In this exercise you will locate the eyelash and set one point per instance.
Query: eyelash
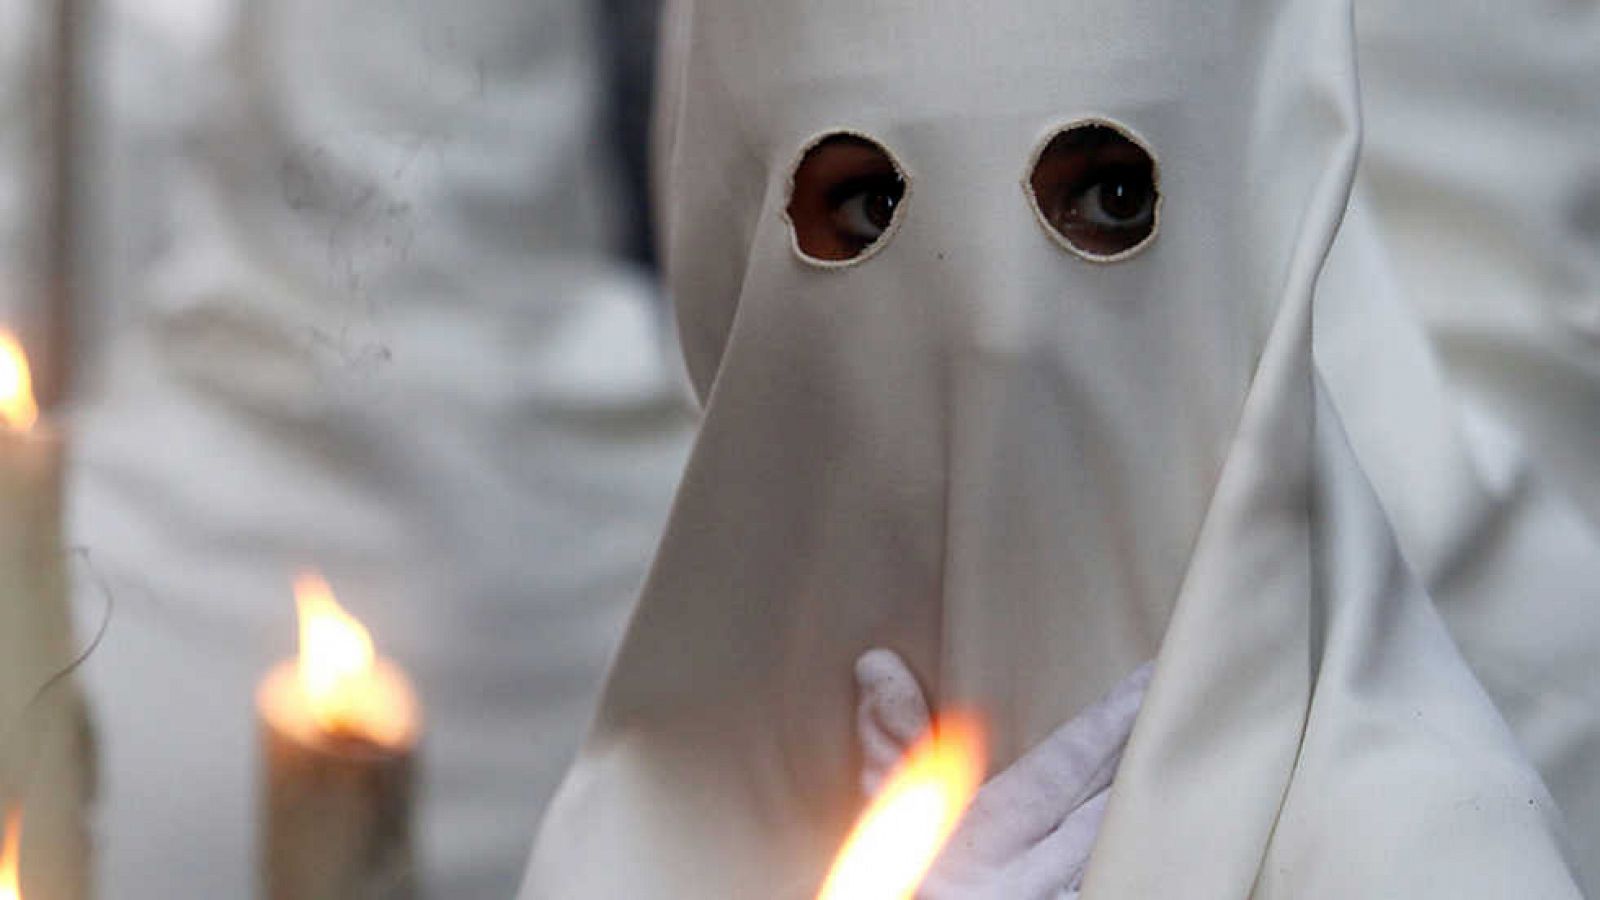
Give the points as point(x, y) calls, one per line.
point(883, 183)
point(1101, 175)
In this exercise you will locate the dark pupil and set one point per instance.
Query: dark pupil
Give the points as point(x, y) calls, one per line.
point(1122, 198)
point(879, 207)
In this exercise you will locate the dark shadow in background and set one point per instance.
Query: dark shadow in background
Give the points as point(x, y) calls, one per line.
point(627, 35)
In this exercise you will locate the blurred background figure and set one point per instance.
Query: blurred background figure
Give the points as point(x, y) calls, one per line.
point(359, 303)
point(1483, 159)
point(1481, 171)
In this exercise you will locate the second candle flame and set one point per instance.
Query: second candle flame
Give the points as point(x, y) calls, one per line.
point(348, 692)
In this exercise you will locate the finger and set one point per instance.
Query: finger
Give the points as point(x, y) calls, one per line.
point(1057, 863)
point(879, 756)
point(890, 714)
point(890, 695)
point(1031, 798)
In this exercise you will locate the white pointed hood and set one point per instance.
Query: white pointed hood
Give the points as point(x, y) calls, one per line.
point(1027, 471)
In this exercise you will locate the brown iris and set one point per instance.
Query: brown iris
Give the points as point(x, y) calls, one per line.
point(846, 192)
point(1097, 189)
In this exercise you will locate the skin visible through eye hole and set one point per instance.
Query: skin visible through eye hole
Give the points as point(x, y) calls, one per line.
point(1097, 189)
point(846, 192)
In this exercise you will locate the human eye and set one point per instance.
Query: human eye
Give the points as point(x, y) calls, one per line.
point(863, 208)
point(845, 195)
point(1096, 189)
point(1114, 200)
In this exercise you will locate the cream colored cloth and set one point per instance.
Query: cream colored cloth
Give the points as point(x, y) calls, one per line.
point(1026, 472)
point(1512, 564)
point(1481, 155)
point(1458, 329)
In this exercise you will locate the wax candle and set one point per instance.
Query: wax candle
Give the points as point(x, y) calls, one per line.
point(340, 727)
point(44, 742)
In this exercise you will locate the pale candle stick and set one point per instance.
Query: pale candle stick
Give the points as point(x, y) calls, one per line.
point(44, 740)
point(339, 727)
point(59, 170)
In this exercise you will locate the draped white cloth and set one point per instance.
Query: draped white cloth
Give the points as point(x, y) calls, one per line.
point(1026, 472)
point(1485, 179)
point(1464, 351)
point(358, 310)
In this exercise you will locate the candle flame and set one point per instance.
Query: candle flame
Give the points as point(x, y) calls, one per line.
point(18, 409)
point(10, 850)
point(345, 689)
point(897, 839)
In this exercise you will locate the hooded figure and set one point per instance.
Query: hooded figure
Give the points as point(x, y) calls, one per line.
point(1027, 432)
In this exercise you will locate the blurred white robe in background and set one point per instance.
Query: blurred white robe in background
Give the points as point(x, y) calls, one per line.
point(1465, 354)
point(1483, 157)
point(357, 309)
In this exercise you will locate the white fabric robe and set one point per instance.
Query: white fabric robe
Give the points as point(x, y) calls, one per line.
point(1026, 472)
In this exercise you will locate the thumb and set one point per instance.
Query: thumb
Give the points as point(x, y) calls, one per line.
point(891, 714)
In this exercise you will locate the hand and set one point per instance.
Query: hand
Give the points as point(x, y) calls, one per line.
point(1029, 832)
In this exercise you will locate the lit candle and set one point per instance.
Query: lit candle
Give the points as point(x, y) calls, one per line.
point(45, 755)
point(899, 836)
point(340, 726)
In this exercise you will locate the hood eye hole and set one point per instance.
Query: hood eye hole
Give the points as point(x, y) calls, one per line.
point(1096, 190)
point(845, 199)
